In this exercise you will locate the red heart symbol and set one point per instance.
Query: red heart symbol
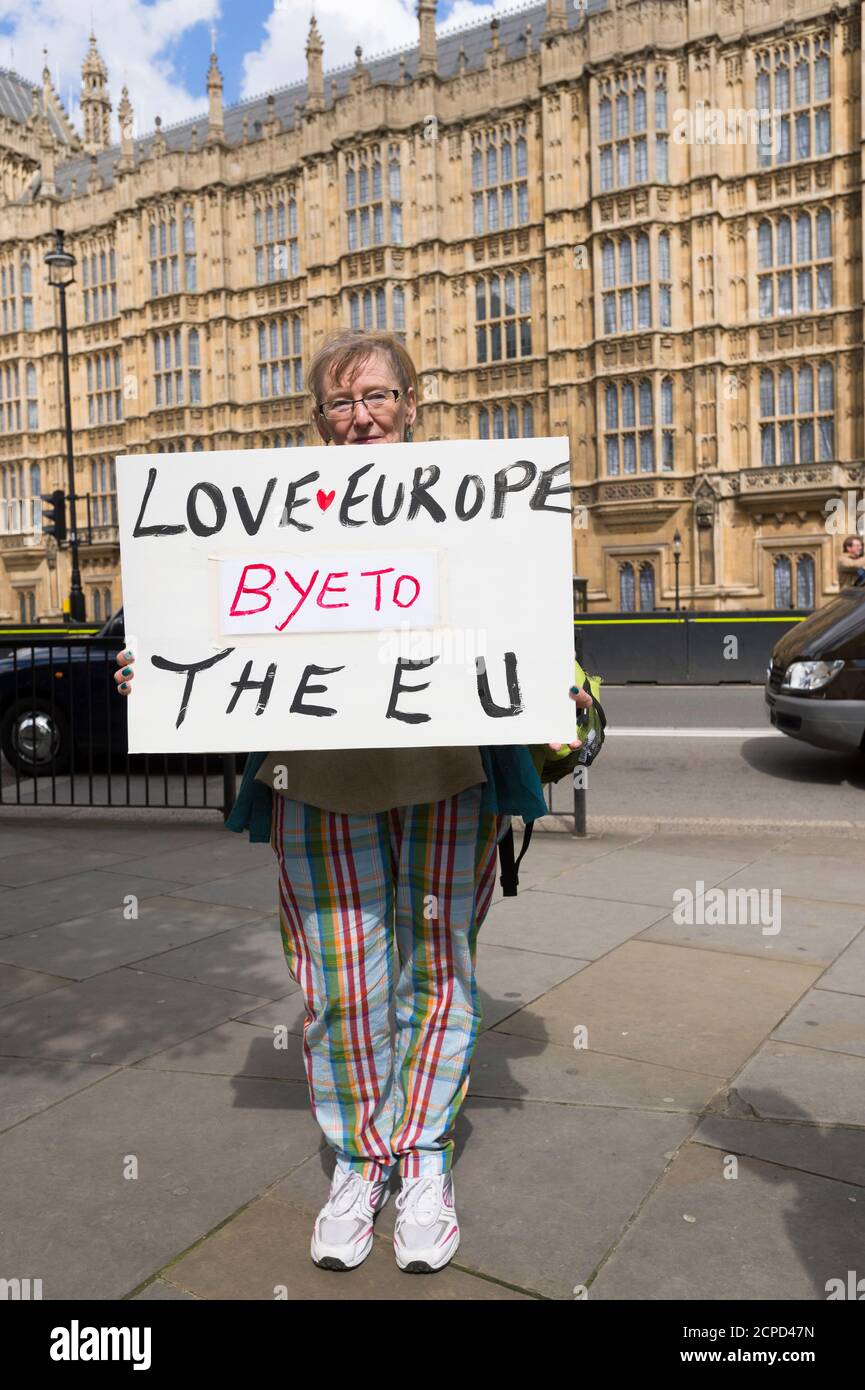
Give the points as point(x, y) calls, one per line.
point(324, 499)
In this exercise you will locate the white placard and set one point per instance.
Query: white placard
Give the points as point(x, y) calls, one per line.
point(411, 595)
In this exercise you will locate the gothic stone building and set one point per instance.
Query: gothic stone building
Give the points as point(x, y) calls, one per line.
point(576, 217)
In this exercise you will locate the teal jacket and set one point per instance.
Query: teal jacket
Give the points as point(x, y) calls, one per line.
point(513, 788)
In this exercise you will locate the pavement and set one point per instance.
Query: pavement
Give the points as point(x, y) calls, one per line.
point(659, 1109)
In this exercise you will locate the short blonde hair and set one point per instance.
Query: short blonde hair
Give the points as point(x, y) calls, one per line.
point(346, 350)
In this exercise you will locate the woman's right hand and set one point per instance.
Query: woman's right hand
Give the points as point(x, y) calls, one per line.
point(125, 675)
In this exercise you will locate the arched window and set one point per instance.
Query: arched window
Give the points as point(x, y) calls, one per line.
point(783, 582)
point(193, 348)
point(35, 480)
point(483, 425)
point(626, 589)
point(513, 422)
point(805, 581)
point(647, 587)
point(764, 244)
point(354, 309)
point(380, 313)
point(198, 446)
point(398, 302)
point(367, 309)
point(498, 423)
point(528, 421)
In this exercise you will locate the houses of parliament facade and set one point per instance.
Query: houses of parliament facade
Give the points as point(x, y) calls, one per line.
point(636, 223)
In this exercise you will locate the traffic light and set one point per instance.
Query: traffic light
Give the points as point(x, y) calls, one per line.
point(54, 514)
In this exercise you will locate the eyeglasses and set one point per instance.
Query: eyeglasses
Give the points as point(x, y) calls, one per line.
point(376, 402)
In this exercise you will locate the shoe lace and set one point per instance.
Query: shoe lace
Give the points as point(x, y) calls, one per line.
point(345, 1196)
point(420, 1199)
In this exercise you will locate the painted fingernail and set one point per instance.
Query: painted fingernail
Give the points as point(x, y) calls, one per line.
point(127, 671)
point(123, 685)
point(127, 654)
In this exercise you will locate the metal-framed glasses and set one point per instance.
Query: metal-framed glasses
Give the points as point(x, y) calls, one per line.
point(377, 403)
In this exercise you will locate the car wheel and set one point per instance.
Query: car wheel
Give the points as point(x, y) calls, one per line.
point(35, 739)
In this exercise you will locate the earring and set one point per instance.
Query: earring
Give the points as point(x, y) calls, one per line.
point(409, 434)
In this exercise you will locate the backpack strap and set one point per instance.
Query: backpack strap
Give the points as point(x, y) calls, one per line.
point(510, 876)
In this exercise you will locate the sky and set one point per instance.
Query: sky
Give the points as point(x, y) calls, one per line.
point(160, 48)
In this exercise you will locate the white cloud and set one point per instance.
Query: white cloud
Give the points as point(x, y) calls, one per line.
point(134, 39)
point(343, 24)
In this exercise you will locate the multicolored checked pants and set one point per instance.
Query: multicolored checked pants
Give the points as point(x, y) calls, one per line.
point(345, 883)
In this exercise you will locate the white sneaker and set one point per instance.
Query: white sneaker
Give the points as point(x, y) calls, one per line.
point(427, 1234)
point(343, 1232)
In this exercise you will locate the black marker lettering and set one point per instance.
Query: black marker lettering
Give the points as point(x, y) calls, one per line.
point(480, 493)
point(378, 516)
point(297, 705)
point(196, 525)
point(292, 501)
point(419, 496)
point(244, 683)
point(251, 524)
point(488, 705)
point(545, 489)
point(403, 664)
point(192, 668)
point(138, 529)
point(503, 487)
point(349, 500)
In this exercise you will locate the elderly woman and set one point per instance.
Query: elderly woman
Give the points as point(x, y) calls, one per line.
point(374, 843)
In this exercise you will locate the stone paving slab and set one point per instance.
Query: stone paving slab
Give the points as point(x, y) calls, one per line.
point(839, 879)
point(75, 895)
point(205, 1146)
point(234, 1049)
point(811, 931)
point(788, 1082)
point(100, 941)
point(37, 866)
point(263, 1253)
point(511, 1066)
point(673, 1005)
point(226, 854)
point(120, 1016)
point(565, 925)
point(28, 1086)
point(848, 972)
point(827, 1019)
point(831, 1151)
point(255, 888)
point(638, 876)
point(249, 957)
point(770, 1233)
point(17, 984)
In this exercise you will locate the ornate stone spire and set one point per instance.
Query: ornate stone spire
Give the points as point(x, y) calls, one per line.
point(428, 56)
point(314, 69)
point(95, 101)
point(126, 118)
point(556, 21)
point(215, 126)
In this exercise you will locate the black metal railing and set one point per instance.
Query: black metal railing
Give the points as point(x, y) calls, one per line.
point(63, 733)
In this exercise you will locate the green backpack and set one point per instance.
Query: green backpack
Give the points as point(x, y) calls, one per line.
point(552, 767)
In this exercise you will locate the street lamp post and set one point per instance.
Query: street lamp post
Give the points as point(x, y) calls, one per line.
point(677, 556)
point(61, 264)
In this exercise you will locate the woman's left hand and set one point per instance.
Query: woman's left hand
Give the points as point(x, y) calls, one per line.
point(583, 700)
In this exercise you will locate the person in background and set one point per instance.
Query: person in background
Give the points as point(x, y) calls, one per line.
point(374, 844)
point(851, 565)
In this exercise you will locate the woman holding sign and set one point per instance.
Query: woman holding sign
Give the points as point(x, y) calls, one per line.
point(371, 844)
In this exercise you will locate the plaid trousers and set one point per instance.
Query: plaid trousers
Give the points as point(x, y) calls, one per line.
point(345, 883)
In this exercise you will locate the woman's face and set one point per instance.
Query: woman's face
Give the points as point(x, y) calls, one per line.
point(382, 425)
